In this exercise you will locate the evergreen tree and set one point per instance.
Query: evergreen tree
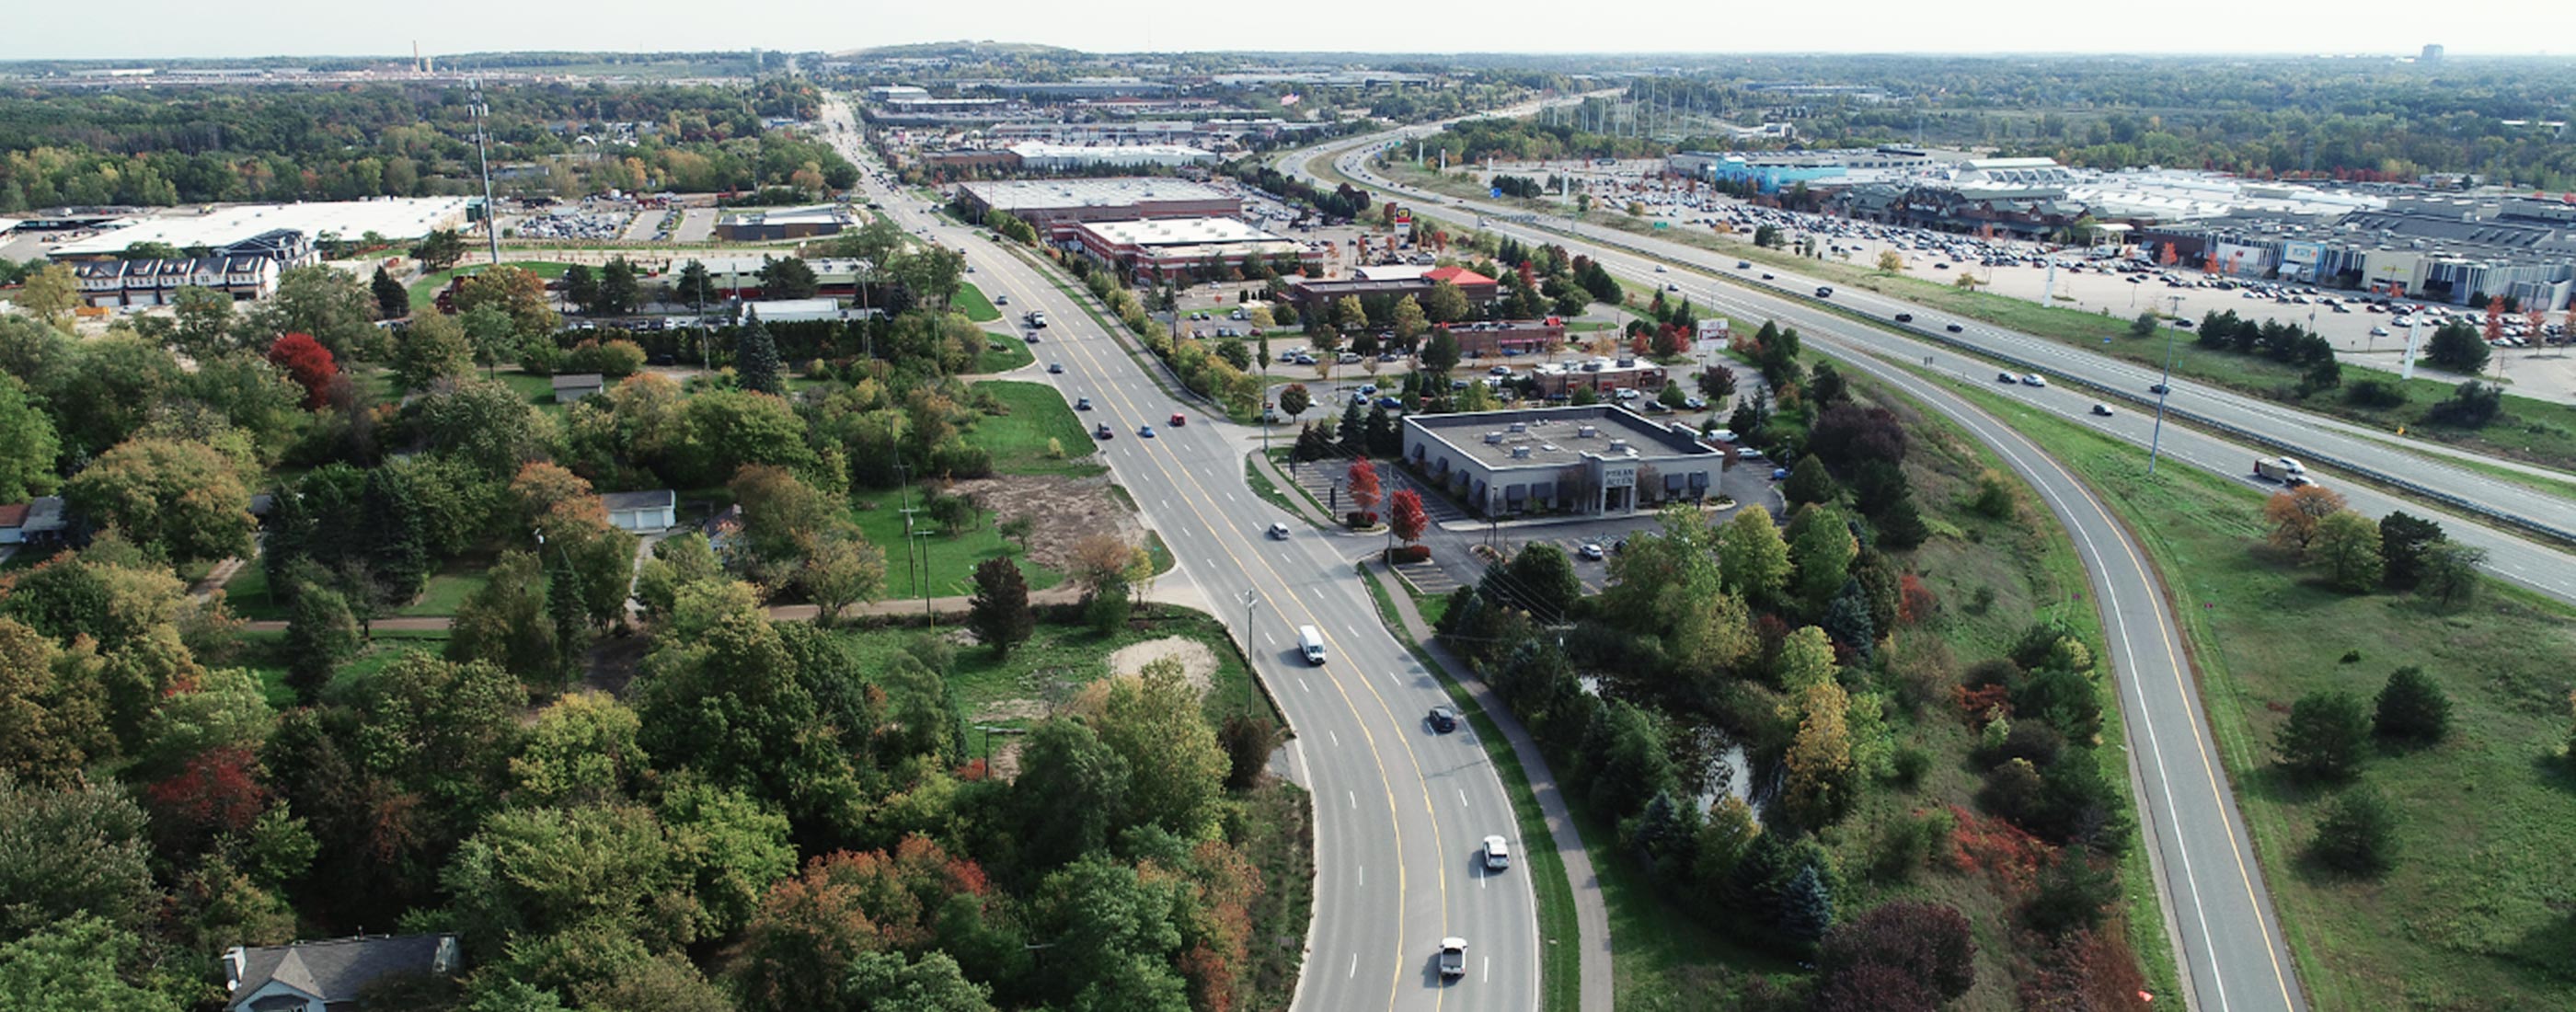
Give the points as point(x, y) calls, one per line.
point(1847, 620)
point(2071, 893)
point(1313, 442)
point(572, 627)
point(320, 636)
point(2358, 835)
point(755, 358)
point(400, 561)
point(2324, 736)
point(1809, 483)
point(2403, 541)
point(1384, 440)
point(393, 302)
point(999, 610)
point(581, 286)
point(2412, 708)
point(1354, 431)
point(1806, 907)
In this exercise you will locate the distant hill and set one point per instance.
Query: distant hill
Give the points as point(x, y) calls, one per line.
point(963, 47)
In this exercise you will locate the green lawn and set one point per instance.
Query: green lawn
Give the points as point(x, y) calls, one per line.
point(1058, 659)
point(951, 558)
point(970, 300)
point(247, 594)
point(1003, 354)
point(2475, 915)
point(424, 292)
point(1017, 438)
point(1265, 488)
point(449, 589)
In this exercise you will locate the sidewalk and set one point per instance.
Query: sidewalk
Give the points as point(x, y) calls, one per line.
point(1591, 917)
point(1305, 507)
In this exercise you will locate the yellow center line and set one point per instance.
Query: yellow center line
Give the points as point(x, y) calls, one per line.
point(1227, 547)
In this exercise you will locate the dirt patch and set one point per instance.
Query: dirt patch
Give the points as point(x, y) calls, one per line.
point(1066, 510)
point(1198, 663)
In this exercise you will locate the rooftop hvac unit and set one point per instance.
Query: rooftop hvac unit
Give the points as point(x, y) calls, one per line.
point(1520, 426)
point(1520, 453)
point(1618, 445)
point(1493, 438)
point(1587, 432)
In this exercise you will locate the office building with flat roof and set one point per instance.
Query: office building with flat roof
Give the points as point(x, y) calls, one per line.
point(1192, 247)
point(1593, 460)
point(1055, 206)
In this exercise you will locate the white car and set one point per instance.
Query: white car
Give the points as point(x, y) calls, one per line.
point(2032, 379)
point(1498, 853)
point(1591, 550)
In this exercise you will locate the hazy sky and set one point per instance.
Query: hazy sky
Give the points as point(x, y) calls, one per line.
point(127, 29)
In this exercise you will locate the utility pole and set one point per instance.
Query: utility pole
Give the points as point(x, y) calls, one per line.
point(483, 154)
point(2164, 389)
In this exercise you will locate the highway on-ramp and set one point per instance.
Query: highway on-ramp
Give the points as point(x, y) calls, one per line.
point(1400, 810)
point(2508, 519)
point(2218, 911)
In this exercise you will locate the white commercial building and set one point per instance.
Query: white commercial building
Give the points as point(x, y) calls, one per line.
point(1040, 156)
point(394, 218)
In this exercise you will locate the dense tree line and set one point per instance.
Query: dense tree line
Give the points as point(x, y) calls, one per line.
point(201, 145)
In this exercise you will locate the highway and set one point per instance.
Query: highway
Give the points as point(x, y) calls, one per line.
point(2328, 446)
point(1400, 811)
point(2218, 911)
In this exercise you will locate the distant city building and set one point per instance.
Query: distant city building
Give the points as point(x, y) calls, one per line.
point(1040, 156)
point(1592, 460)
point(2432, 53)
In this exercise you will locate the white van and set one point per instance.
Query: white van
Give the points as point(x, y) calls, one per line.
point(1311, 641)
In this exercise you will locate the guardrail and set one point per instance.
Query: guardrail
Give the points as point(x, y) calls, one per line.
point(2308, 454)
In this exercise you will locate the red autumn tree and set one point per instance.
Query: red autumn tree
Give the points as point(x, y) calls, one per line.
point(1406, 517)
point(797, 950)
point(1362, 483)
point(308, 363)
point(2495, 318)
point(1928, 944)
point(216, 792)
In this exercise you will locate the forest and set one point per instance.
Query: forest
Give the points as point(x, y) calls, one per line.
point(188, 145)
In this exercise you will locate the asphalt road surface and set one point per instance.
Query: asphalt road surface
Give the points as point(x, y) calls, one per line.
point(2218, 911)
point(2513, 555)
point(1400, 811)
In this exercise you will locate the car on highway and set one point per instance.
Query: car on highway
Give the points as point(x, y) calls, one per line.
point(2159, 389)
point(2032, 379)
point(2005, 377)
point(1744, 265)
point(1672, 287)
point(1031, 337)
point(1103, 432)
point(1453, 958)
point(1659, 268)
point(1278, 531)
point(1766, 276)
point(1145, 432)
point(1001, 300)
point(1904, 317)
point(1179, 419)
point(1955, 328)
point(1498, 853)
point(1442, 719)
point(1824, 291)
point(1055, 368)
point(1082, 404)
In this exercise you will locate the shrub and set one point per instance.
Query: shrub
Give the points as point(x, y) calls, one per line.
point(1408, 553)
point(2375, 394)
point(2358, 835)
point(1360, 519)
point(2472, 404)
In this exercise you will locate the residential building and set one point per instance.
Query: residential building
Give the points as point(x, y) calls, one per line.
point(642, 512)
point(157, 282)
point(1592, 460)
point(326, 976)
point(13, 524)
point(572, 387)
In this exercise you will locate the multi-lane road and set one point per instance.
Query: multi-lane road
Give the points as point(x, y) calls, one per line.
point(2515, 554)
point(1400, 811)
point(2218, 911)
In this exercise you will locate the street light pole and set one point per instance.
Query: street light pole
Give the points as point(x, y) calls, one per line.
point(2164, 389)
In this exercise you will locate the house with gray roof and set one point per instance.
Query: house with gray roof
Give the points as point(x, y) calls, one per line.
point(326, 976)
point(642, 512)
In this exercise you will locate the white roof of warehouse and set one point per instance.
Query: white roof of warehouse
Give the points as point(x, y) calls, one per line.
point(1180, 232)
point(392, 217)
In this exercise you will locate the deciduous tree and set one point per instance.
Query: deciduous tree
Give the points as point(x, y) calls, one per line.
point(1821, 777)
point(1155, 722)
point(2346, 545)
point(309, 364)
point(2295, 514)
point(1752, 556)
point(1405, 516)
point(1927, 944)
point(28, 445)
point(181, 500)
point(2451, 571)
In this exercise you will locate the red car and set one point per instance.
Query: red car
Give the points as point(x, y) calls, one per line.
point(1178, 421)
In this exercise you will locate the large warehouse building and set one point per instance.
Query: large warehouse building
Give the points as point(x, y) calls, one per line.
point(1040, 156)
point(782, 223)
point(1591, 460)
point(396, 218)
point(1177, 247)
point(1055, 206)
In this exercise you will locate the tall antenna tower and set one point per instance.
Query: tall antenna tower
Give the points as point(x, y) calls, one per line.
point(483, 154)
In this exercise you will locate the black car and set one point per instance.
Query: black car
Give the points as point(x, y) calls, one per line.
point(2005, 377)
point(2160, 389)
point(1904, 317)
point(1955, 328)
point(1442, 719)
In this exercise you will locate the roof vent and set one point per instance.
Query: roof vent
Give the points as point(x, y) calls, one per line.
point(1549, 447)
point(1587, 432)
point(1521, 452)
point(1493, 438)
point(1520, 426)
point(1618, 446)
